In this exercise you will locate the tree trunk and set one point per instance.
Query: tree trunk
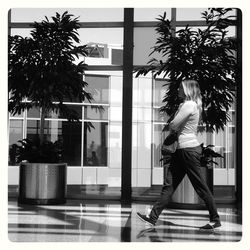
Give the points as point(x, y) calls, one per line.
point(42, 125)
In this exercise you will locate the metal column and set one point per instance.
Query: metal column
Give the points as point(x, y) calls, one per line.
point(128, 38)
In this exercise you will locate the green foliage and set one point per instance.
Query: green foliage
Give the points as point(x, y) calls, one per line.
point(44, 70)
point(206, 55)
point(35, 151)
point(42, 67)
point(207, 156)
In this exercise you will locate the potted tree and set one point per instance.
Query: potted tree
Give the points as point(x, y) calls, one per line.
point(206, 55)
point(42, 74)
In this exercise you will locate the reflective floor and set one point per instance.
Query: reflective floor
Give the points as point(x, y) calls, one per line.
point(97, 221)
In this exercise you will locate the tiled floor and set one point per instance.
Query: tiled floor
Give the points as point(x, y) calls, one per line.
point(95, 221)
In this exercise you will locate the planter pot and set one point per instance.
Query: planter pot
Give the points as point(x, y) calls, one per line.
point(42, 183)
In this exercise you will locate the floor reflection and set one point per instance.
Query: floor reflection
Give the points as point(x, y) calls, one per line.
point(97, 221)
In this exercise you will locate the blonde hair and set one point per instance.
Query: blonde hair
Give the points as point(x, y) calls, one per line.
point(192, 91)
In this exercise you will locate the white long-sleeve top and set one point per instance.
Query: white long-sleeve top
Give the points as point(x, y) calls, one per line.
point(185, 123)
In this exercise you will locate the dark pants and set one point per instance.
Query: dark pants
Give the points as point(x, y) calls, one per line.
point(176, 166)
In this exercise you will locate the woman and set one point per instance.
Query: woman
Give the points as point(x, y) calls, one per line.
point(186, 159)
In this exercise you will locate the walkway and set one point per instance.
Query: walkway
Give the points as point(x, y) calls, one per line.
point(97, 221)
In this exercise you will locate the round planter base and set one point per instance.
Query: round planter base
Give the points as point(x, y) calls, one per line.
point(41, 201)
point(42, 183)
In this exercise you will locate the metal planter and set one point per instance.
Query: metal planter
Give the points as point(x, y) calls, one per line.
point(42, 183)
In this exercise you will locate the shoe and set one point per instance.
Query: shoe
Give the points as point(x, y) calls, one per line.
point(211, 225)
point(146, 219)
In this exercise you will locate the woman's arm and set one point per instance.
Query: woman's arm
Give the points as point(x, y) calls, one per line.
point(184, 112)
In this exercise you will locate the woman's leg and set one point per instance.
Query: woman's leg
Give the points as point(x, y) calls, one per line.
point(173, 175)
point(192, 157)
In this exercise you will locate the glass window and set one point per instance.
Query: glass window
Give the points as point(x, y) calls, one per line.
point(225, 142)
point(231, 30)
point(194, 14)
point(15, 134)
point(232, 117)
point(33, 113)
point(71, 137)
point(159, 120)
point(116, 56)
point(144, 40)
point(68, 133)
point(204, 137)
point(24, 32)
point(98, 87)
point(112, 36)
point(231, 152)
point(85, 15)
point(159, 92)
point(17, 115)
point(77, 109)
point(66, 99)
point(220, 147)
point(33, 127)
point(95, 144)
point(150, 14)
point(144, 92)
point(233, 105)
point(93, 113)
point(156, 146)
point(105, 45)
point(159, 116)
point(158, 95)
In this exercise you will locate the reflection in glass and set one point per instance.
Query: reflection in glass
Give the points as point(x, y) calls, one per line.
point(204, 137)
point(67, 133)
point(141, 114)
point(232, 117)
point(17, 115)
point(231, 154)
point(66, 99)
point(24, 32)
point(95, 144)
point(220, 147)
point(156, 146)
point(15, 134)
point(104, 54)
point(98, 87)
point(71, 139)
point(231, 30)
point(33, 113)
point(159, 116)
point(144, 92)
point(93, 113)
point(144, 40)
point(194, 14)
point(107, 36)
point(84, 14)
point(189, 14)
point(150, 14)
point(77, 109)
point(159, 92)
point(33, 127)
